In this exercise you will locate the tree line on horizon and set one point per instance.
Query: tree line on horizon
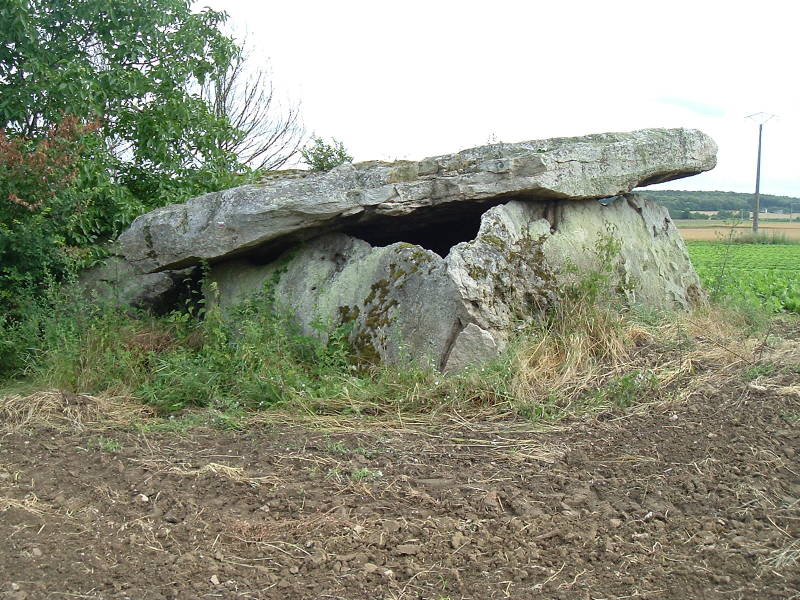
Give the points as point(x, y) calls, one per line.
point(681, 203)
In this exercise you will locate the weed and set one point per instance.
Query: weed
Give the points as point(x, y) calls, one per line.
point(791, 418)
point(365, 474)
point(105, 444)
point(321, 156)
point(757, 371)
point(625, 390)
point(340, 475)
point(548, 410)
point(768, 238)
point(336, 473)
point(336, 448)
point(232, 418)
point(366, 452)
point(575, 348)
point(172, 424)
point(339, 448)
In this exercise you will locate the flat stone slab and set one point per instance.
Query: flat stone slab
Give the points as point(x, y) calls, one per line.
point(269, 217)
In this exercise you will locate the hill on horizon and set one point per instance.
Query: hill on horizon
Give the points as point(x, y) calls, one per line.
point(679, 202)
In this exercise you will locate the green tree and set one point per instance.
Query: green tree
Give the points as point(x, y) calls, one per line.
point(127, 64)
point(98, 123)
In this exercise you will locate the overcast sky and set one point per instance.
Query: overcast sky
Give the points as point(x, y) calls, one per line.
point(409, 79)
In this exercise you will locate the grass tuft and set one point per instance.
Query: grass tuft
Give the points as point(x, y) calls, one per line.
point(59, 410)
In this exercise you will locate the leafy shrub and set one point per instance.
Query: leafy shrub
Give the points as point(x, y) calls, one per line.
point(32, 172)
point(38, 217)
point(322, 156)
point(98, 123)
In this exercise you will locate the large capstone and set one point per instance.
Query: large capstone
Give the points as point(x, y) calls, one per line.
point(422, 202)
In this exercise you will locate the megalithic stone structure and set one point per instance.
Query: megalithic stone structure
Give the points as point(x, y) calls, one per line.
point(438, 261)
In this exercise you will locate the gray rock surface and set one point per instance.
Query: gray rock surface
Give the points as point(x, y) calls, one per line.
point(398, 301)
point(269, 217)
point(118, 281)
point(473, 346)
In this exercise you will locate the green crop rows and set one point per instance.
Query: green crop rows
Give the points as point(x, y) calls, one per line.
point(764, 274)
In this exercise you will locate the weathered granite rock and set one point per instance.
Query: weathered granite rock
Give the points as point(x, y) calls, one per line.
point(473, 346)
point(408, 304)
point(117, 280)
point(442, 190)
point(402, 305)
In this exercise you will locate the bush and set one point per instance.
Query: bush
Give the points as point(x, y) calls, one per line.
point(98, 124)
point(254, 357)
point(321, 156)
point(38, 217)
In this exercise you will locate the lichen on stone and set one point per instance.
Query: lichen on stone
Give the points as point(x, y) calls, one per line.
point(493, 240)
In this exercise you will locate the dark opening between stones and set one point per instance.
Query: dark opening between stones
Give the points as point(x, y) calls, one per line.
point(437, 230)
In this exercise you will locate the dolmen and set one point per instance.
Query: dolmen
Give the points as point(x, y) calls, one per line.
point(441, 261)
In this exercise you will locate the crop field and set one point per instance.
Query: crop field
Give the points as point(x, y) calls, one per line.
point(765, 274)
point(718, 231)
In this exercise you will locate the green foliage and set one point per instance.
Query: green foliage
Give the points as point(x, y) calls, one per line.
point(625, 390)
point(773, 237)
point(126, 64)
point(322, 156)
point(758, 370)
point(601, 282)
point(105, 444)
point(365, 474)
point(253, 357)
point(764, 275)
point(98, 124)
point(622, 392)
point(58, 206)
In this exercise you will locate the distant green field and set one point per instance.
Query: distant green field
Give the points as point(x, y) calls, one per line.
point(768, 275)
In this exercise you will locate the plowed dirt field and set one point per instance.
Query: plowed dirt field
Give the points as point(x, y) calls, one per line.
point(697, 499)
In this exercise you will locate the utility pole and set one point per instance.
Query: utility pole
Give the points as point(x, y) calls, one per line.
point(759, 118)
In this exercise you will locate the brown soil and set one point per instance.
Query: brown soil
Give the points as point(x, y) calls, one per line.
point(697, 499)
